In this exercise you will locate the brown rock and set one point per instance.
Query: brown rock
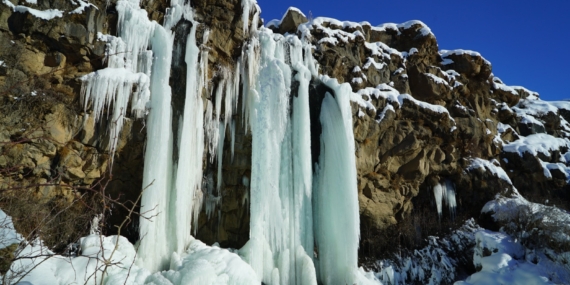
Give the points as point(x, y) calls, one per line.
point(292, 19)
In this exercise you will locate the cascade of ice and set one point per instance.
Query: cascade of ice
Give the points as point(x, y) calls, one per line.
point(281, 235)
point(188, 177)
point(336, 215)
point(171, 195)
point(291, 207)
point(154, 253)
point(445, 193)
point(128, 62)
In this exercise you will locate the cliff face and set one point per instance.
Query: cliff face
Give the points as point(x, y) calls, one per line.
point(422, 117)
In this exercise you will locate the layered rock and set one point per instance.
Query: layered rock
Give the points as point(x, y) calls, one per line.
point(422, 116)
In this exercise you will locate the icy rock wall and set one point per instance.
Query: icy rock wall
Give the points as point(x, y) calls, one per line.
point(281, 245)
point(140, 58)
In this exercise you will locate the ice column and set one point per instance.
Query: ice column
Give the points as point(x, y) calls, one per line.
point(337, 227)
point(281, 220)
point(157, 241)
point(188, 176)
point(444, 192)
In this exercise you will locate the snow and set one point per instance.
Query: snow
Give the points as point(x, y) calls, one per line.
point(499, 85)
point(42, 14)
point(479, 163)
point(8, 234)
point(452, 73)
point(357, 80)
point(296, 209)
point(424, 30)
point(535, 144)
point(503, 266)
point(370, 61)
point(82, 6)
point(508, 259)
point(111, 260)
point(434, 264)
point(445, 53)
point(204, 265)
point(436, 79)
point(422, 104)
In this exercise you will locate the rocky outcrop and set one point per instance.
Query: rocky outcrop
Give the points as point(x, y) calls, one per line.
point(421, 117)
point(455, 110)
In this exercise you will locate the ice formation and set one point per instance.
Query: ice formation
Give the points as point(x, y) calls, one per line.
point(444, 192)
point(337, 222)
point(281, 235)
point(294, 205)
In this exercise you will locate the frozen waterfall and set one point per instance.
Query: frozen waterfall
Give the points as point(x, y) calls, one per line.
point(444, 192)
point(294, 205)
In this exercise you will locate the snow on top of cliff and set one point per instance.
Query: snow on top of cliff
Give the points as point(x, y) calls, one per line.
point(479, 163)
point(445, 53)
point(82, 6)
point(363, 98)
point(424, 30)
point(538, 107)
point(370, 62)
point(42, 14)
point(424, 105)
point(48, 14)
point(536, 143)
point(277, 22)
point(498, 84)
point(437, 79)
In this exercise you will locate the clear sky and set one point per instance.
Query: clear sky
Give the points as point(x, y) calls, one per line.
point(526, 41)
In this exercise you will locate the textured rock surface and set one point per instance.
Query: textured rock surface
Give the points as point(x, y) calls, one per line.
point(403, 147)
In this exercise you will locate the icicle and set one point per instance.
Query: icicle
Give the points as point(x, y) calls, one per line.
point(438, 194)
point(154, 252)
point(309, 59)
point(336, 201)
point(246, 6)
point(205, 50)
point(128, 69)
point(222, 129)
point(188, 176)
point(445, 193)
point(135, 29)
point(233, 138)
point(450, 197)
point(302, 170)
point(212, 132)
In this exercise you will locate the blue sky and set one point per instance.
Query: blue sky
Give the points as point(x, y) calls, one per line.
point(526, 41)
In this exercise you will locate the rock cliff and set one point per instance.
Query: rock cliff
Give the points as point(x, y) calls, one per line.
point(423, 117)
